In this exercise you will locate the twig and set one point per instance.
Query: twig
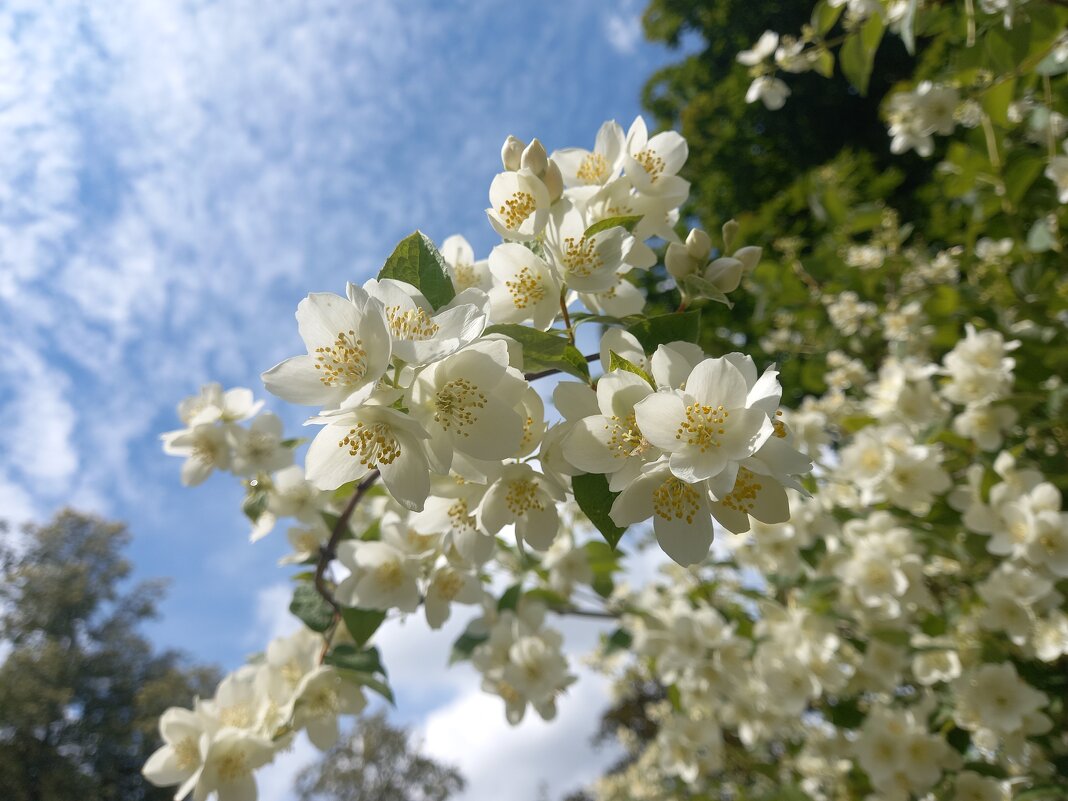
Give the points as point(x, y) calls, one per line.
point(329, 551)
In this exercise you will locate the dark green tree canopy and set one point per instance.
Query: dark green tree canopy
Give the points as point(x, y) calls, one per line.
point(81, 689)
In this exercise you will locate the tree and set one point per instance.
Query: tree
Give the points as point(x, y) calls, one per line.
point(80, 690)
point(377, 763)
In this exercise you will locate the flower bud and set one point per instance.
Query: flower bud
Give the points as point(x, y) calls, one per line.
point(730, 231)
point(535, 158)
point(749, 257)
point(512, 153)
point(553, 181)
point(679, 263)
point(725, 273)
point(698, 245)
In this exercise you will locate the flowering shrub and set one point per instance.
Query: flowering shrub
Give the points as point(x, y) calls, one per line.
point(884, 617)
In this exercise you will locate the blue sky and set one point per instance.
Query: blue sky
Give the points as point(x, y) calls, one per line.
point(176, 174)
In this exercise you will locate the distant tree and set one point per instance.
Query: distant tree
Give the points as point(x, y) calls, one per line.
point(377, 763)
point(81, 689)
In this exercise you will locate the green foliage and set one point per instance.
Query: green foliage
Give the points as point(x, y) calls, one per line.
point(311, 608)
point(595, 500)
point(81, 690)
point(545, 350)
point(416, 261)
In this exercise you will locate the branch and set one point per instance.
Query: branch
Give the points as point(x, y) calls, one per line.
point(593, 357)
point(329, 551)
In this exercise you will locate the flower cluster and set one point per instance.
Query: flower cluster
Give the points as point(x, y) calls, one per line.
point(437, 470)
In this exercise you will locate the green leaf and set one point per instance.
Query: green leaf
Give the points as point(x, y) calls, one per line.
point(544, 351)
point(617, 362)
point(857, 55)
point(312, 608)
point(996, 100)
point(255, 503)
point(824, 63)
point(627, 221)
point(416, 261)
point(675, 327)
point(618, 640)
point(358, 660)
point(380, 687)
point(697, 286)
point(510, 599)
point(824, 15)
point(465, 644)
point(362, 623)
point(595, 500)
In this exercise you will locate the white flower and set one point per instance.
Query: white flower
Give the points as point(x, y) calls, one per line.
point(519, 205)
point(420, 334)
point(1057, 171)
point(525, 498)
point(356, 441)
point(230, 757)
point(712, 424)
point(772, 92)
point(179, 759)
point(305, 542)
point(524, 287)
point(652, 164)
point(585, 264)
point(580, 167)
point(349, 349)
point(213, 405)
point(470, 402)
point(995, 697)
point(974, 787)
point(449, 585)
point(761, 51)
point(611, 442)
point(206, 446)
point(383, 576)
point(682, 521)
point(464, 270)
point(259, 448)
point(320, 697)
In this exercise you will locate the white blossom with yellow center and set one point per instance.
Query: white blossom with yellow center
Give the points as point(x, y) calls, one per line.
point(584, 263)
point(471, 402)
point(464, 270)
point(371, 437)
point(717, 420)
point(682, 521)
point(420, 333)
point(524, 289)
point(519, 205)
point(585, 168)
point(383, 576)
point(526, 499)
point(652, 163)
point(230, 757)
point(348, 351)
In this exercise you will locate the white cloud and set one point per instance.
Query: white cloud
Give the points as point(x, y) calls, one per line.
point(623, 28)
point(503, 761)
point(273, 618)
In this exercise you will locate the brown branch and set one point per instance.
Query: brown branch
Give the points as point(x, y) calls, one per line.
point(329, 551)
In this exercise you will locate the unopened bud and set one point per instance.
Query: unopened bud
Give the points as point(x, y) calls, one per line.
point(725, 274)
point(535, 158)
point(730, 231)
point(698, 245)
point(679, 262)
point(749, 257)
point(512, 153)
point(553, 181)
